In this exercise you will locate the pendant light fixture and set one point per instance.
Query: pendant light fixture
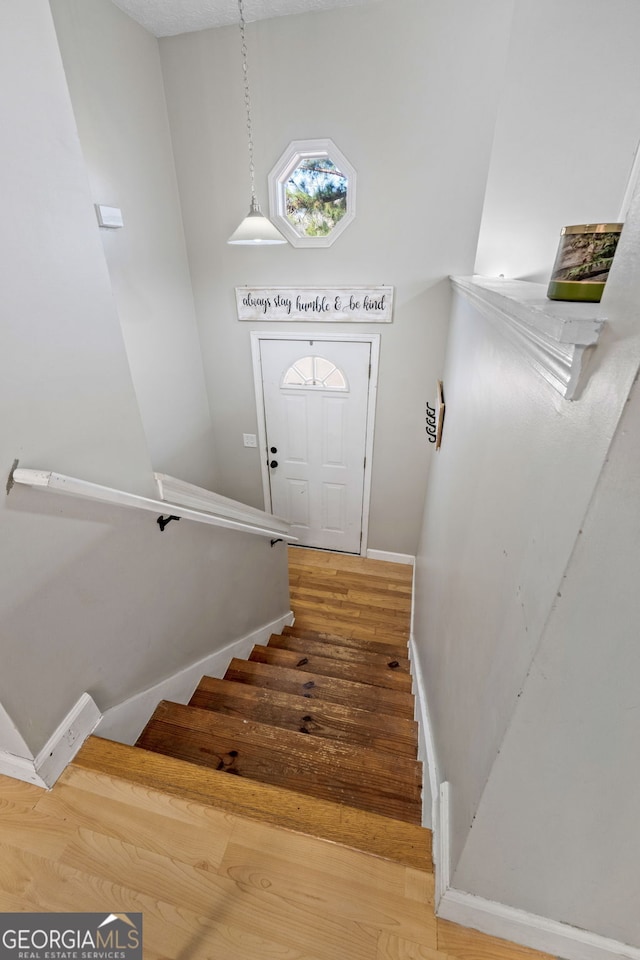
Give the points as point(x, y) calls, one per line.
point(255, 229)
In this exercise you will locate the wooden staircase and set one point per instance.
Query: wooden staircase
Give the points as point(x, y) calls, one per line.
point(316, 728)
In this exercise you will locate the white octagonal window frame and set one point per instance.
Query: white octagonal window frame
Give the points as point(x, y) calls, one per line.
point(296, 152)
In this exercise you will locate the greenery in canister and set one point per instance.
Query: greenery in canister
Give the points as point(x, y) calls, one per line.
point(583, 261)
point(587, 256)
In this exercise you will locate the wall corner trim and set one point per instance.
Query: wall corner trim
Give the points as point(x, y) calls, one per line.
point(555, 338)
point(60, 748)
point(442, 847)
point(426, 748)
point(391, 557)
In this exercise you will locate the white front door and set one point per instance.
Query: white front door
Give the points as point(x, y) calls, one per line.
point(315, 404)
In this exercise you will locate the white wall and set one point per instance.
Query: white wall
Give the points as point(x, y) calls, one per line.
point(525, 682)
point(407, 89)
point(506, 496)
point(567, 130)
point(556, 832)
point(112, 67)
point(91, 599)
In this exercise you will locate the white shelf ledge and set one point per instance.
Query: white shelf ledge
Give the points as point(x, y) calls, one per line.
point(554, 337)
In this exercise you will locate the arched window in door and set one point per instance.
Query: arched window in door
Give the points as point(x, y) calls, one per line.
point(315, 372)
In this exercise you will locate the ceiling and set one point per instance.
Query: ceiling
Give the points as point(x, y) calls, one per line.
point(165, 18)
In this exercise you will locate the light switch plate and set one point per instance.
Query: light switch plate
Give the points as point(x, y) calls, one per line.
point(109, 216)
point(249, 440)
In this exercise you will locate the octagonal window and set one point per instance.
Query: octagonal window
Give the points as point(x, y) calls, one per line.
point(312, 193)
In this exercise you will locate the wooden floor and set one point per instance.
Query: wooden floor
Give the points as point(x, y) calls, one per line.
point(215, 886)
point(130, 830)
point(351, 596)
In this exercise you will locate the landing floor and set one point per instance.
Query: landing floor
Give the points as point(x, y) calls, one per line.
point(214, 886)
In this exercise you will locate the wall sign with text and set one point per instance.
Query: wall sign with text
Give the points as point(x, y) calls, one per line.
point(324, 304)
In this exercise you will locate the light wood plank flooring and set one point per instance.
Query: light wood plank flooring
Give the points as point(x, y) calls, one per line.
point(213, 885)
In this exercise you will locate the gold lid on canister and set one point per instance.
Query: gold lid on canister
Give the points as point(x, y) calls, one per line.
point(592, 228)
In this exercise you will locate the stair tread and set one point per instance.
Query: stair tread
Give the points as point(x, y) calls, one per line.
point(315, 686)
point(354, 671)
point(357, 776)
point(358, 829)
point(373, 646)
point(337, 651)
point(322, 719)
point(372, 762)
point(385, 837)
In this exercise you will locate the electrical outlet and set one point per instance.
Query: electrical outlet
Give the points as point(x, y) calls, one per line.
point(249, 440)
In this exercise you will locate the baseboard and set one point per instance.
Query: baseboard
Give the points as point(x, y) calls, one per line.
point(126, 720)
point(530, 930)
point(11, 740)
point(510, 923)
point(20, 768)
point(426, 751)
point(391, 557)
point(58, 751)
point(442, 845)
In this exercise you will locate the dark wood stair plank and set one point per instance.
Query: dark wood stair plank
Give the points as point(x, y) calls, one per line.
point(263, 767)
point(385, 837)
point(355, 762)
point(338, 652)
point(389, 649)
point(321, 719)
point(269, 755)
point(354, 671)
point(314, 686)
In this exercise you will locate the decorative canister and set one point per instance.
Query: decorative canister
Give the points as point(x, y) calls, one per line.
point(582, 264)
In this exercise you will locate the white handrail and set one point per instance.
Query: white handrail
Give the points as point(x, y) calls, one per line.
point(198, 498)
point(72, 486)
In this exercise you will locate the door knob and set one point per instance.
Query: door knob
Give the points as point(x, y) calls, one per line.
point(274, 463)
point(274, 449)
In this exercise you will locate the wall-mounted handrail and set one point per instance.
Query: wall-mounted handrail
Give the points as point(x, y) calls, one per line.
point(72, 486)
point(198, 498)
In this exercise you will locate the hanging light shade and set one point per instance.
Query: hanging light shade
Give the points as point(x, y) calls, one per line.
point(255, 229)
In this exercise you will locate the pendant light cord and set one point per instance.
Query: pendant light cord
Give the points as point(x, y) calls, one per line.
point(247, 103)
